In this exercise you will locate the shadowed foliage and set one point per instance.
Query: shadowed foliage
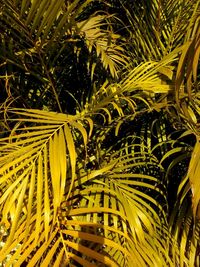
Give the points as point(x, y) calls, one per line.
point(99, 141)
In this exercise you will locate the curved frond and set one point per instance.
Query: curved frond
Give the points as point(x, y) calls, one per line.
point(64, 202)
point(51, 31)
point(106, 43)
point(38, 162)
point(157, 27)
point(184, 212)
point(187, 80)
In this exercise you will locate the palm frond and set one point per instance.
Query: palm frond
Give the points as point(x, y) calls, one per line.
point(56, 209)
point(47, 30)
point(183, 214)
point(158, 27)
point(187, 82)
point(106, 43)
point(191, 182)
point(40, 166)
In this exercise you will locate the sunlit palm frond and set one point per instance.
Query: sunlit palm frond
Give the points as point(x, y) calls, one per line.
point(141, 85)
point(100, 188)
point(64, 200)
point(105, 42)
point(40, 179)
point(158, 27)
point(183, 206)
point(191, 181)
point(34, 176)
point(47, 30)
point(137, 190)
point(112, 195)
point(185, 228)
point(187, 80)
point(185, 233)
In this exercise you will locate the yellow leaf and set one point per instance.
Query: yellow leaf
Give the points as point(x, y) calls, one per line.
point(193, 175)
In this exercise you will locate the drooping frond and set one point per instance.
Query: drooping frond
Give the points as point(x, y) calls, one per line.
point(183, 197)
point(37, 37)
point(35, 163)
point(105, 42)
point(57, 208)
point(187, 80)
point(158, 27)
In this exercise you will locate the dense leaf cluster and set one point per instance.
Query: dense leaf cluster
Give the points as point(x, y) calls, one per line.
point(99, 142)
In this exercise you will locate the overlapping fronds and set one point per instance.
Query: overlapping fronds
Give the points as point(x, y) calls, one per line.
point(47, 29)
point(183, 210)
point(106, 43)
point(141, 84)
point(190, 182)
point(34, 176)
point(157, 27)
point(104, 187)
point(187, 80)
point(56, 209)
point(42, 21)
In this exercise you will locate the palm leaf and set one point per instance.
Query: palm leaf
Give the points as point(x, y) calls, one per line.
point(39, 166)
point(188, 70)
point(46, 30)
point(183, 224)
point(157, 27)
point(112, 55)
point(81, 215)
point(191, 178)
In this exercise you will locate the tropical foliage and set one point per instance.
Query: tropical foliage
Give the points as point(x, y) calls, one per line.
point(99, 141)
